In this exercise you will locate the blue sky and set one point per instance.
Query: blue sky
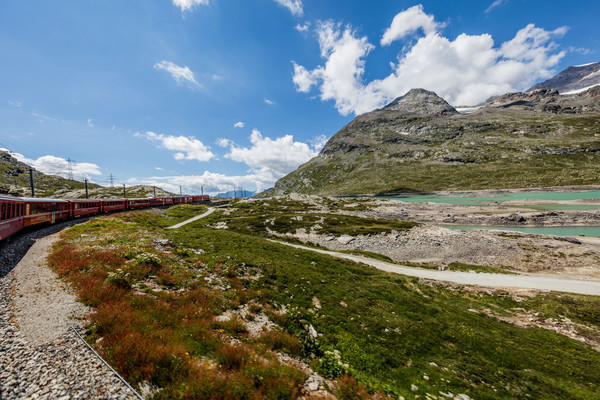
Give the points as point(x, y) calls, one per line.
point(224, 93)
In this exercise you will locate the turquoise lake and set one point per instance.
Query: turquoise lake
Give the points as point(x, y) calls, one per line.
point(593, 231)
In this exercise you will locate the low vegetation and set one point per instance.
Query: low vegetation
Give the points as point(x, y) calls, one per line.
point(185, 311)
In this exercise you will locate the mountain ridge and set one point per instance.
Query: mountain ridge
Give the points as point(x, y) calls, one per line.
point(533, 139)
point(572, 79)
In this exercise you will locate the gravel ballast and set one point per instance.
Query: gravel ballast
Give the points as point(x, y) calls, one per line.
point(40, 355)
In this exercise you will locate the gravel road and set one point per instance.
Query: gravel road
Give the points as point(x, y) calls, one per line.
point(197, 217)
point(524, 281)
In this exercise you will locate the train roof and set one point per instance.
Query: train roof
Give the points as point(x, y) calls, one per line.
point(83, 200)
point(43, 200)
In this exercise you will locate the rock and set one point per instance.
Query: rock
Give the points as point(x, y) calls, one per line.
point(163, 243)
point(345, 239)
point(461, 397)
point(313, 383)
point(311, 331)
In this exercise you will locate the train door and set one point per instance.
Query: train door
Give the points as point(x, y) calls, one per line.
point(53, 213)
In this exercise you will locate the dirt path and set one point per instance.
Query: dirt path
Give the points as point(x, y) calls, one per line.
point(197, 217)
point(538, 282)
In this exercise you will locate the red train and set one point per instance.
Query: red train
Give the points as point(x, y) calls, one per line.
point(18, 213)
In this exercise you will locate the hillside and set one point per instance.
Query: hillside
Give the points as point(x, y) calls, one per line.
point(15, 181)
point(420, 143)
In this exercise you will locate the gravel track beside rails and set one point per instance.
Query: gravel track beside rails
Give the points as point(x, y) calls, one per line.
point(40, 357)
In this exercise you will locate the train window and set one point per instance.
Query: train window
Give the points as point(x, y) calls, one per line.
point(2, 211)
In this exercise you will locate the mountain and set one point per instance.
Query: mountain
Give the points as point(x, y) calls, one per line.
point(420, 143)
point(240, 193)
point(572, 79)
point(15, 181)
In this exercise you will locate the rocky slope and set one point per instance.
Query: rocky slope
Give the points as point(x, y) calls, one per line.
point(420, 143)
point(572, 79)
point(15, 181)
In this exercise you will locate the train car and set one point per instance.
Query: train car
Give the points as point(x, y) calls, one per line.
point(110, 205)
point(157, 201)
point(84, 207)
point(133, 204)
point(167, 200)
point(11, 216)
point(39, 211)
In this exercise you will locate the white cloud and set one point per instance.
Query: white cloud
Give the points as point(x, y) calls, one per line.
point(304, 79)
point(268, 159)
point(187, 148)
point(90, 123)
point(302, 28)
point(180, 74)
point(342, 74)
point(42, 118)
point(185, 5)
point(271, 158)
point(159, 168)
point(239, 124)
point(209, 182)
point(319, 142)
point(466, 70)
point(53, 165)
point(15, 103)
point(216, 77)
point(222, 142)
point(295, 6)
point(269, 102)
point(409, 21)
point(495, 4)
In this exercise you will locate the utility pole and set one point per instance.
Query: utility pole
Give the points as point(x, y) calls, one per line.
point(154, 187)
point(202, 189)
point(124, 196)
point(111, 180)
point(234, 194)
point(31, 182)
point(86, 190)
point(180, 192)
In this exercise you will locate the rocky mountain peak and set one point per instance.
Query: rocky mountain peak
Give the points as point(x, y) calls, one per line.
point(573, 79)
point(421, 101)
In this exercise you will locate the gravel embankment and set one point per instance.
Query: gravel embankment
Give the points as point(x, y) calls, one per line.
point(40, 356)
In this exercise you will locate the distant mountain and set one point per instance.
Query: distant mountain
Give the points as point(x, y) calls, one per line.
point(572, 79)
point(236, 195)
point(420, 143)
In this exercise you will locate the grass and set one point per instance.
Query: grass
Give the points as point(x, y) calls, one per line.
point(258, 218)
point(378, 332)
